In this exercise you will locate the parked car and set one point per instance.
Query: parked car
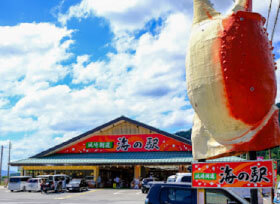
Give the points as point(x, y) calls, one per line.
point(277, 196)
point(90, 181)
point(171, 179)
point(56, 183)
point(18, 183)
point(34, 184)
point(145, 185)
point(181, 193)
point(180, 177)
point(77, 185)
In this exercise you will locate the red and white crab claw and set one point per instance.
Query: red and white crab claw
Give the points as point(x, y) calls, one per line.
point(231, 82)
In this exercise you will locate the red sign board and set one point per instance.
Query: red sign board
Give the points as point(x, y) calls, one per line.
point(127, 143)
point(250, 174)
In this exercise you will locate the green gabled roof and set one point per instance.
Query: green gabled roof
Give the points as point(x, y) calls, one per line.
point(115, 158)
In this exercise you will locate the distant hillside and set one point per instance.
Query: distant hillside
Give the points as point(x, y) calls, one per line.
point(186, 134)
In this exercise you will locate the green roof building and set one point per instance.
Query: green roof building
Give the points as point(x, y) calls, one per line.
point(122, 147)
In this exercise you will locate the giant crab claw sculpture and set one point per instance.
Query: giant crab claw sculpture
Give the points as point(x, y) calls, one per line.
point(231, 82)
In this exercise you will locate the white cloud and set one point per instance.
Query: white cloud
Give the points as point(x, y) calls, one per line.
point(89, 73)
point(125, 15)
point(30, 59)
point(12, 122)
point(144, 79)
point(154, 86)
point(31, 53)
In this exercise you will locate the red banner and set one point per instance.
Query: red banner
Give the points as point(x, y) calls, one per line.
point(250, 174)
point(127, 143)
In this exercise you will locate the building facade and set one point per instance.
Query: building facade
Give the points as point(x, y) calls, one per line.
point(122, 148)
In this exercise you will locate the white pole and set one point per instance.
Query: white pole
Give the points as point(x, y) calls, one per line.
point(1, 160)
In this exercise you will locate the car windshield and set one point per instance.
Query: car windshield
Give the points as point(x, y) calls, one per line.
point(75, 181)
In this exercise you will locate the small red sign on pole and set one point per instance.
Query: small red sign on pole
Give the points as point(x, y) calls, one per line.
point(249, 174)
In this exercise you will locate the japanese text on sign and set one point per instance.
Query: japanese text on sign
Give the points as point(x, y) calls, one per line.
point(126, 143)
point(151, 144)
point(100, 145)
point(233, 174)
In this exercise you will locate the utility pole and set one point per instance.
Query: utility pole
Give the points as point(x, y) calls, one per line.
point(254, 192)
point(272, 189)
point(1, 160)
point(9, 157)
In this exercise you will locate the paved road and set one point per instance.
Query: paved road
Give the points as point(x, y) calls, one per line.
point(94, 196)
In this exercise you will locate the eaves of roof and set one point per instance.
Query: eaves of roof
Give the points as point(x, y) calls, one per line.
point(115, 159)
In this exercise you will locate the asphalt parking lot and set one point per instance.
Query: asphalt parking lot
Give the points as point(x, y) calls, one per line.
point(100, 196)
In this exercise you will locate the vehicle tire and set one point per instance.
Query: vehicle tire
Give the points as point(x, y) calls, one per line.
point(86, 188)
point(143, 191)
point(12, 190)
point(29, 191)
point(24, 189)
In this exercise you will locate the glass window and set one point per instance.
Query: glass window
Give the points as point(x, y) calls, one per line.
point(32, 181)
point(18, 179)
point(176, 196)
point(14, 180)
point(24, 178)
point(183, 195)
point(163, 195)
point(187, 179)
point(218, 196)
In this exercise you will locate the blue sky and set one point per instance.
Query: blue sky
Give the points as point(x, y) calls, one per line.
point(69, 66)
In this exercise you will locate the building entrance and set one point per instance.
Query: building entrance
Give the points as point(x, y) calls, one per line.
point(161, 173)
point(109, 174)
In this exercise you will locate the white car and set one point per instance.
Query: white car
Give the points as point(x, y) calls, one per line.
point(180, 177)
point(171, 178)
point(34, 184)
point(18, 183)
point(55, 182)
